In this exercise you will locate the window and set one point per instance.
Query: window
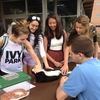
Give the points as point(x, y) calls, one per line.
point(67, 7)
point(13, 7)
point(34, 6)
point(68, 22)
point(50, 6)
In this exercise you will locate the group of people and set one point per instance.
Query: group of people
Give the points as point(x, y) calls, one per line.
point(55, 47)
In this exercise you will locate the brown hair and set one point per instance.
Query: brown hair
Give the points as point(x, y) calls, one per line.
point(59, 29)
point(21, 27)
point(84, 20)
point(82, 44)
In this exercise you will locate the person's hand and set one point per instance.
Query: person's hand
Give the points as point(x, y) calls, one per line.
point(58, 64)
point(48, 67)
point(36, 69)
point(64, 69)
point(62, 80)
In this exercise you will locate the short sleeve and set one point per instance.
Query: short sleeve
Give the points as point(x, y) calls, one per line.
point(75, 83)
point(95, 38)
point(72, 35)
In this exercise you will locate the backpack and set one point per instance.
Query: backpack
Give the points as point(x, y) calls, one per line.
point(93, 29)
point(5, 38)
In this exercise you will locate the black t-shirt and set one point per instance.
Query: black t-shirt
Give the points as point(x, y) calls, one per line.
point(75, 34)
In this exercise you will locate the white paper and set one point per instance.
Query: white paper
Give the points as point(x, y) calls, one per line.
point(25, 85)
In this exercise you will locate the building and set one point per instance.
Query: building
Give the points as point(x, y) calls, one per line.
point(95, 19)
point(68, 10)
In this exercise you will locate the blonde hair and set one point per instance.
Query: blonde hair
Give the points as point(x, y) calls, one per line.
point(84, 20)
point(20, 27)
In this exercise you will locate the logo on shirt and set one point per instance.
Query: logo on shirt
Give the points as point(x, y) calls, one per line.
point(13, 57)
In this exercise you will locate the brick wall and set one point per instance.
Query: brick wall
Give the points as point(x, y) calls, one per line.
point(95, 19)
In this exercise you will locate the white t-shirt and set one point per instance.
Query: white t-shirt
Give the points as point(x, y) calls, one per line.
point(11, 60)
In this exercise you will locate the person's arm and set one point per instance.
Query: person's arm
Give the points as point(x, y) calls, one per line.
point(60, 94)
point(65, 68)
point(0, 41)
point(43, 53)
point(46, 63)
point(96, 49)
point(95, 45)
point(34, 56)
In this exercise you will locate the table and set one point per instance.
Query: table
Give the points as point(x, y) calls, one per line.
point(44, 91)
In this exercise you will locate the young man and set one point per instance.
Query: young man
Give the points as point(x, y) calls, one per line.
point(84, 81)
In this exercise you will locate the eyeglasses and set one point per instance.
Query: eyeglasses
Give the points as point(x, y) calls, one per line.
point(35, 18)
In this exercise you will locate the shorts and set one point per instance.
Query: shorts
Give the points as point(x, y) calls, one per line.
point(27, 60)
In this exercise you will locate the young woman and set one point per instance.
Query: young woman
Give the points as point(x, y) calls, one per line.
point(54, 41)
point(82, 27)
point(35, 38)
point(11, 60)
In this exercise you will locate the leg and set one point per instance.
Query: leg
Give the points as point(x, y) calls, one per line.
point(25, 68)
point(29, 68)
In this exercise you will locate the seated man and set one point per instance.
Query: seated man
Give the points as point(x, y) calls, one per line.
point(84, 81)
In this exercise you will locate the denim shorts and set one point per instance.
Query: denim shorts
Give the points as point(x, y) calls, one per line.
point(27, 60)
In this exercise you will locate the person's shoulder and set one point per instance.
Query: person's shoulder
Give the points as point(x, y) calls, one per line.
point(72, 35)
point(64, 31)
point(0, 41)
point(41, 35)
point(93, 28)
point(44, 37)
point(3, 38)
point(74, 32)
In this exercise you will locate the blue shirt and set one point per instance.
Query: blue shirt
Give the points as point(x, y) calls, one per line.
point(84, 81)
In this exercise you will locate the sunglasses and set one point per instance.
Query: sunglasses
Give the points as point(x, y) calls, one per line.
point(35, 18)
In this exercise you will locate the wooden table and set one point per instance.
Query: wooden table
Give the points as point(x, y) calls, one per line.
point(44, 91)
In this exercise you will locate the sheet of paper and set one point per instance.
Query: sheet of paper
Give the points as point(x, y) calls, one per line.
point(25, 85)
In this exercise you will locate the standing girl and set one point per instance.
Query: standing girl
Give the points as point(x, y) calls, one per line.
point(11, 60)
point(54, 41)
point(35, 38)
point(82, 27)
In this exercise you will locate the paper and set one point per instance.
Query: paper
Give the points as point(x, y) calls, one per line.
point(25, 85)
